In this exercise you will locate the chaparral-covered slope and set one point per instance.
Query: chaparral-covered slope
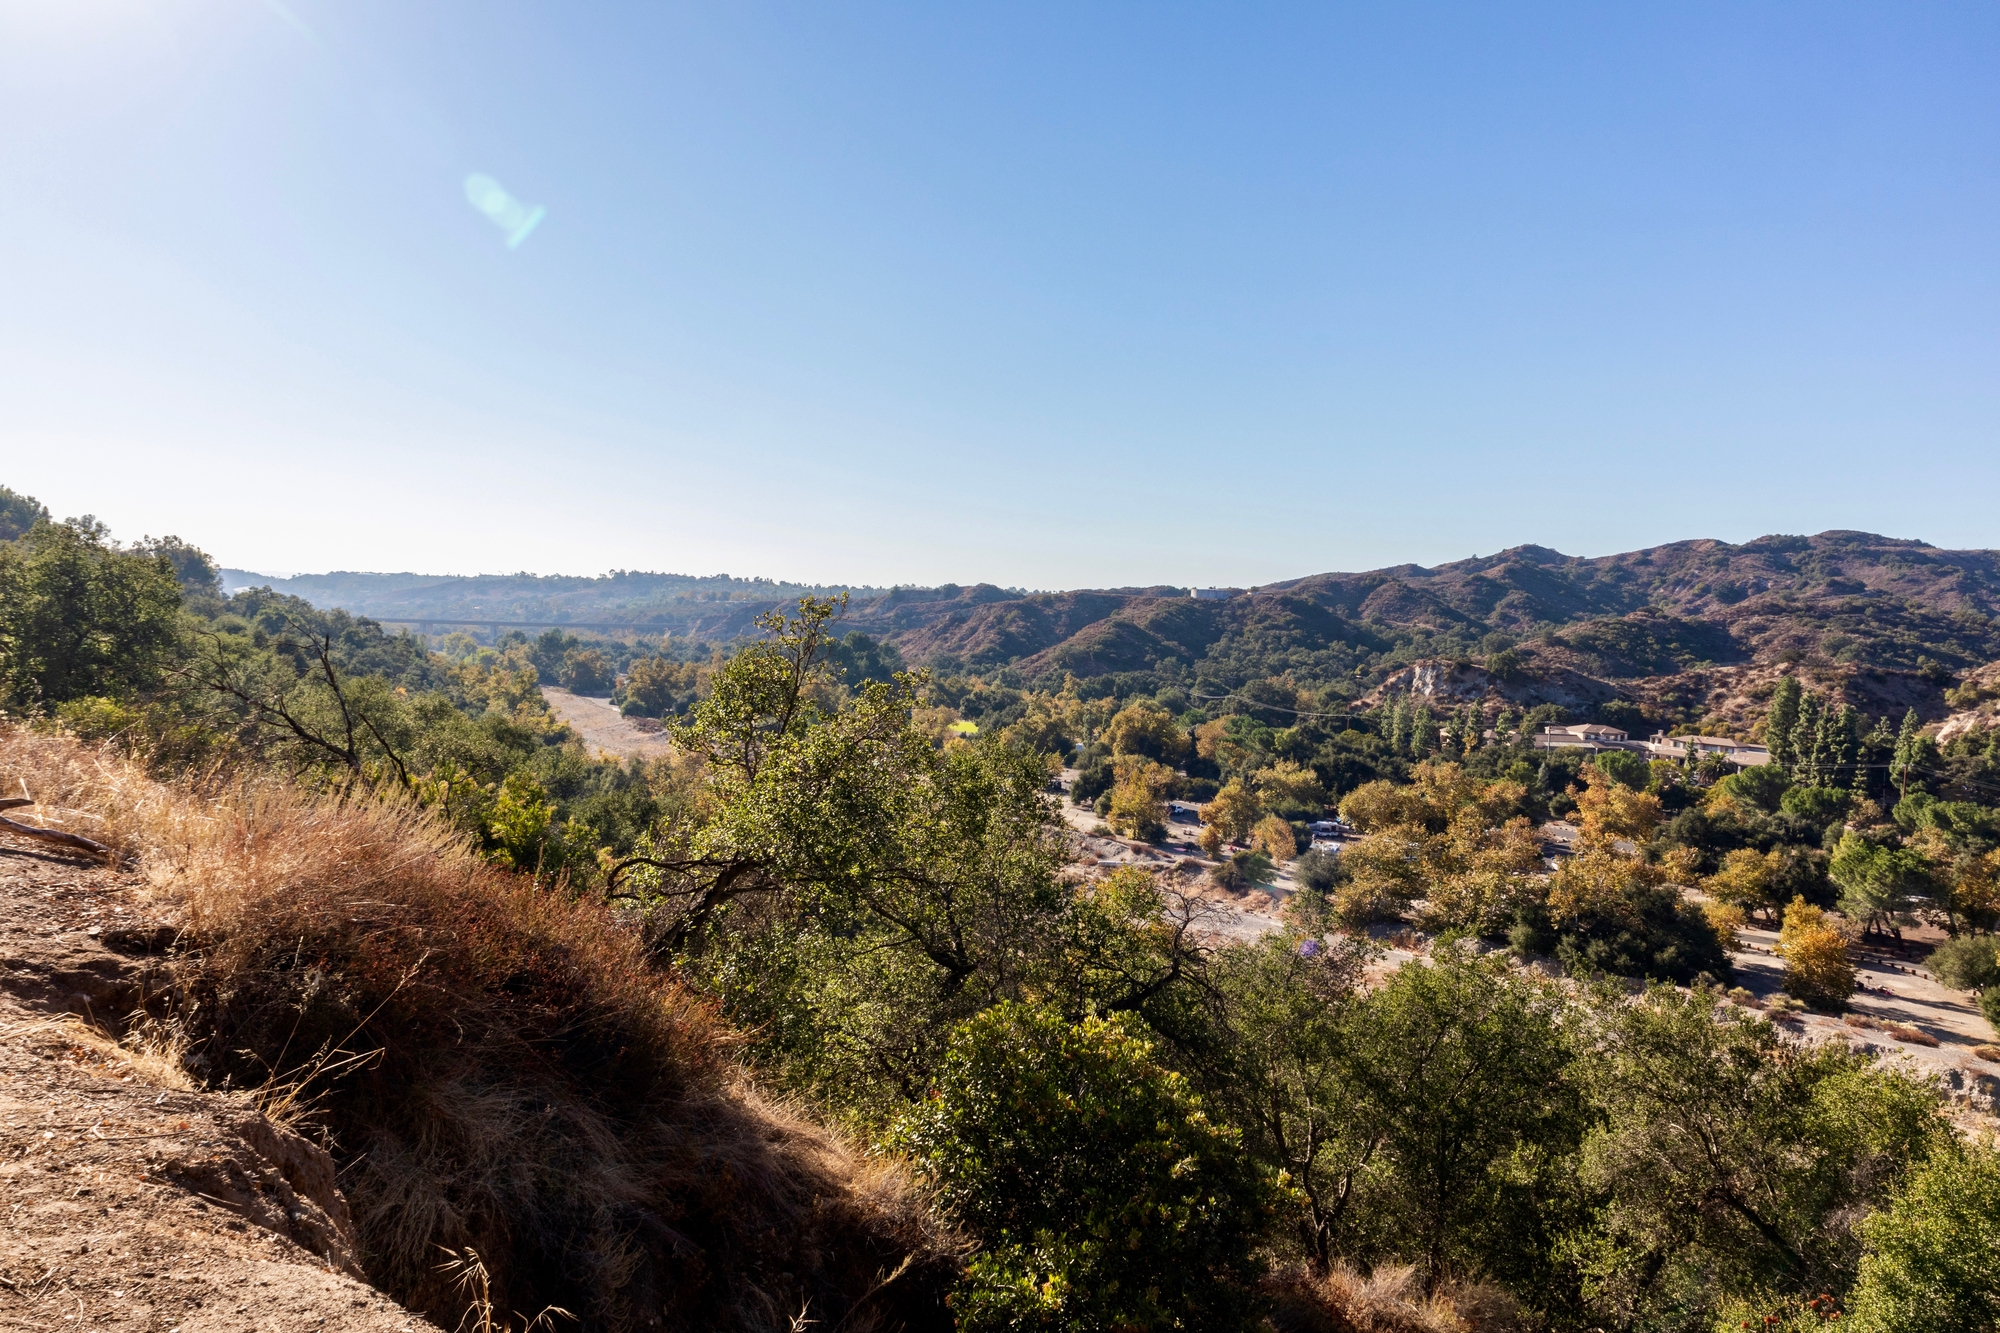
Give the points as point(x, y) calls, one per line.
point(1652, 620)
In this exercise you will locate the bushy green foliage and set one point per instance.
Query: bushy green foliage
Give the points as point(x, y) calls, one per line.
point(1102, 1193)
point(1969, 962)
point(1731, 1161)
point(81, 618)
point(1878, 884)
point(1817, 805)
point(1763, 786)
point(1933, 1255)
point(19, 513)
point(1624, 766)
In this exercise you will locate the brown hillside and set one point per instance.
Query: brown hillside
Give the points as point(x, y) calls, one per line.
point(524, 1082)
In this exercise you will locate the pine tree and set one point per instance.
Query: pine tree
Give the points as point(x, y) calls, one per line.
point(1423, 731)
point(1842, 767)
point(1804, 738)
point(1399, 726)
point(1780, 721)
point(1906, 754)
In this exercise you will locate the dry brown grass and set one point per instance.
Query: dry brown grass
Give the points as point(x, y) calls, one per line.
point(511, 1075)
point(1387, 1300)
point(151, 1053)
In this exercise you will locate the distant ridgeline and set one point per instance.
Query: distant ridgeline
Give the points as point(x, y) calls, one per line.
point(1690, 618)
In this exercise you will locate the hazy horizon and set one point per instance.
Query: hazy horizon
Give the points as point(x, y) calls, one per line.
point(1032, 295)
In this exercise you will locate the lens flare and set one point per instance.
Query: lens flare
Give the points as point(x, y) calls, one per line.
point(504, 210)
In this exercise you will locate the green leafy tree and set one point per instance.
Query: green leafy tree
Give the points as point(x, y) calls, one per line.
point(1805, 738)
point(853, 892)
point(1423, 731)
point(1101, 1192)
point(19, 513)
point(193, 567)
point(1625, 767)
point(585, 671)
point(80, 618)
point(1933, 1258)
point(1291, 1075)
point(1729, 1161)
point(1878, 885)
point(1906, 754)
point(1462, 1069)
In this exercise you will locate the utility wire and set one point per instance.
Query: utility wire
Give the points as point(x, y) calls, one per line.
point(1218, 698)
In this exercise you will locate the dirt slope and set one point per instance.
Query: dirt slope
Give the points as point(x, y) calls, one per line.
point(131, 1203)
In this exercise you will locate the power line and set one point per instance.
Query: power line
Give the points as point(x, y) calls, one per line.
point(1275, 708)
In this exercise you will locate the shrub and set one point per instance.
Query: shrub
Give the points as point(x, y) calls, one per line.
point(1904, 1032)
point(1242, 871)
point(1103, 1196)
point(1970, 962)
point(1317, 871)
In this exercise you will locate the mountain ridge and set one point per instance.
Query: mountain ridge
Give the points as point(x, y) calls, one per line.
point(1846, 598)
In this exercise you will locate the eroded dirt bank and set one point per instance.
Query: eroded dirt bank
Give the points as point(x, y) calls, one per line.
point(130, 1202)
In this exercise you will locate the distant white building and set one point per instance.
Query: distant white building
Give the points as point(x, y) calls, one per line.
point(1589, 735)
point(1215, 594)
point(1742, 753)
point(1595, 736)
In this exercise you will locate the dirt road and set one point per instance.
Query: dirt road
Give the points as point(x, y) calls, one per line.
point(601, 726)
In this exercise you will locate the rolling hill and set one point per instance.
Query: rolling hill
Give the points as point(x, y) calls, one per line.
point(1699, 624)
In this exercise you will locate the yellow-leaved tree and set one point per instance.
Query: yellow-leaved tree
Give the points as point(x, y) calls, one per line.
point(1274, 837)
point(1234, 811)
point(1818, 971)
point(1139, 796)
point(1147, 729)
point(1291, 787)
point(1456, 843)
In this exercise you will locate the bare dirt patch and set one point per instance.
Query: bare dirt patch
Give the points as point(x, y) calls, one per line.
point(132, 1201)
point(603, 727)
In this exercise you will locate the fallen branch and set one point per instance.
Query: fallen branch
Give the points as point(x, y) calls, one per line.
point(48, 834)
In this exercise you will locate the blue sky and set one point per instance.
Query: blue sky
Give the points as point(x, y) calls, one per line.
point(1048, 295)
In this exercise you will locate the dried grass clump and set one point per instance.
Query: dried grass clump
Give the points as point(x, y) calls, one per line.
point(1913, 1035)
point(498, 1069)
point(1388, 1300)
point(87, 790)
point(151, 1053)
